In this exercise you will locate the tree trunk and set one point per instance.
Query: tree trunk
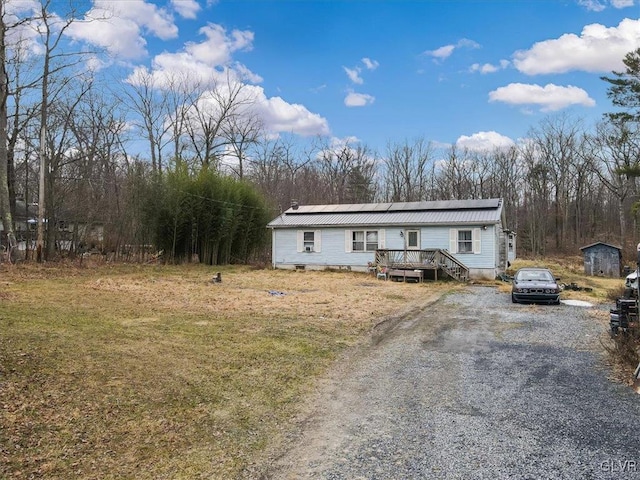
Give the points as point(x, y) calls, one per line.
point(5, 206)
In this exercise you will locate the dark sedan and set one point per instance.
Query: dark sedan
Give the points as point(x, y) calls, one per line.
point(536, 285)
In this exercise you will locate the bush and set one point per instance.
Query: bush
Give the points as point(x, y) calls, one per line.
point(623, 348)
point(617, 292)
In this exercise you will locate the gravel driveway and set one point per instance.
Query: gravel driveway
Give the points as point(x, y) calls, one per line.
point(470, 387)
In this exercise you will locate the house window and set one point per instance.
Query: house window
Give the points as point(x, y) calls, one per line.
point(465, 241)
point(309, 241)
point(364, 240)
point(413, 239)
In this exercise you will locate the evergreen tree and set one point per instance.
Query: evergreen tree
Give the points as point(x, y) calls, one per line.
point(624, 90)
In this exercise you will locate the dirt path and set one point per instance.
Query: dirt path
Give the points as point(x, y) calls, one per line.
point(469, 387)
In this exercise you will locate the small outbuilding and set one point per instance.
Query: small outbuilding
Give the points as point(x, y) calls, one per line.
point(602, 259)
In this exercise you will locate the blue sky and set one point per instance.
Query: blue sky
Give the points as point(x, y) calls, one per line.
point(472, 72)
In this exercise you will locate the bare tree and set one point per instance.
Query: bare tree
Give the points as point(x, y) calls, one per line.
point(347, 171)
point(51, 29)
point(5, 209)
point(611, 150)
point(243, 132)
point(407, 171)
point(207, 119)
point(558, 140)
point(98, 130)
point(150, 101)
point(455, 176)
point(536, 203)
point(507, 181)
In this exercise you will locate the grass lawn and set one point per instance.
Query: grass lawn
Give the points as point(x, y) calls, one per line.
point(151, 372)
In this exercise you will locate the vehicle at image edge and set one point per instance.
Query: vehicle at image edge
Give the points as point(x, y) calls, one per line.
point(632, 280)
point(535, 285)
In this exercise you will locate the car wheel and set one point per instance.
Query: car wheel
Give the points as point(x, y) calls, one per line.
point(513, 299)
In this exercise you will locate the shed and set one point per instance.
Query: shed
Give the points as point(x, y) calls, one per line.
point(602, 259)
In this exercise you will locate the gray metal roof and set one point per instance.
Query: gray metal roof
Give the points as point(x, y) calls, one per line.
point(617, 247)
point(453, 212)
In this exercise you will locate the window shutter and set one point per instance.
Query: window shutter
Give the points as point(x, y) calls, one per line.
point(300, 246)
point(347, 241)
point(476, 240)
point(317, 241)
point(453, 240)
point(382, 238)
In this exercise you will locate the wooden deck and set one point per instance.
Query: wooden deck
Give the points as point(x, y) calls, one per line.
point(405, 275)
point(421, 264)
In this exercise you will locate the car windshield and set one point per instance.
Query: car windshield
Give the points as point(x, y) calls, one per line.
point(535, 275)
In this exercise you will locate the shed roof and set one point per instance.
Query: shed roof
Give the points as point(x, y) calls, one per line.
point(586, 247)
point(450, 212)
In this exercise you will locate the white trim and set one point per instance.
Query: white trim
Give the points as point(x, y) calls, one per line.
point(317, 241)
point(300, 241)
point(453, 240)
point(477, 240)
point(406, 239)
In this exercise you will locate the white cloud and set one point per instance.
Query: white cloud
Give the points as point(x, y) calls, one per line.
point(119, 26)
point(201, 62)
point(16, 7)
point(370, 64)
point(592, 5)
point(445, 52)
point(354, 75)
point(488, 67)
point(210, 64)
point(622, 3)
point(600, 5)
point(483, 141)
point(466, 43)
point(219, 45)
point(549, 98)
point(597, 49)
point(442, 52)
point(186, 8)
point(354, 99)
point(278, 116)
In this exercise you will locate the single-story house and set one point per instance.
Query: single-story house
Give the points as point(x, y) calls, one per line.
point(348, 236)
point(602, 259)
point(70, 234)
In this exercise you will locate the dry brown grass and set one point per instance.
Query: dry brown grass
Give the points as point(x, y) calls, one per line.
point(155, 372)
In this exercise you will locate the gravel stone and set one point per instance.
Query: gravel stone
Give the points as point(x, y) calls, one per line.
point(471, 387)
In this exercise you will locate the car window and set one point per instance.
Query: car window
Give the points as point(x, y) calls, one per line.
point(535, 276)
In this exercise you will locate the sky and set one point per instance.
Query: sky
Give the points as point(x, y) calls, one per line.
point(476, 73)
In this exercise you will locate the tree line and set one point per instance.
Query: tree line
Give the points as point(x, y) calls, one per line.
point(184, 165)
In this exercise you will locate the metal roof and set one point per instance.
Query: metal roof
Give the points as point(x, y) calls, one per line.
point(600, 243)
point(454, 212)
point(398, 206)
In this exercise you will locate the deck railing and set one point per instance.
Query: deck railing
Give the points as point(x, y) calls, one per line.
point(428, 259)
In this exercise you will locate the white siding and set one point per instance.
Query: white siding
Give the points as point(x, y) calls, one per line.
point(333, 246)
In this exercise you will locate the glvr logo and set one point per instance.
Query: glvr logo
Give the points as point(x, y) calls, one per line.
point(621, 466)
